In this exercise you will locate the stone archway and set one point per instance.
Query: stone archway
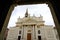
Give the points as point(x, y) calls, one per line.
point(12, 7)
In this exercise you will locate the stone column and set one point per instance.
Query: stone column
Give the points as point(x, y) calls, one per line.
point(22, 32)
point(35, 31)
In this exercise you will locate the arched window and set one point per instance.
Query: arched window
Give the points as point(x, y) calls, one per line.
point(38, 31)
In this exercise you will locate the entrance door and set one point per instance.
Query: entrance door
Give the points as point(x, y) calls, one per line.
point(29, 36)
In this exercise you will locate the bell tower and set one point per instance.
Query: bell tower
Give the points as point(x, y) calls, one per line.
point(26, 14)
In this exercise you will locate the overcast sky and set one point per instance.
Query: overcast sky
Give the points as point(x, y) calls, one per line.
point(35, 9)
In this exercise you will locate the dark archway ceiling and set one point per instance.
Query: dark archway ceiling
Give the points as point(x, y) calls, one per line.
point(5, 5)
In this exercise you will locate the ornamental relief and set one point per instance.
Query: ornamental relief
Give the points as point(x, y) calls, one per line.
point(29, 20)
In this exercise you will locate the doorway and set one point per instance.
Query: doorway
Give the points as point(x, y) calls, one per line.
point(28, 36)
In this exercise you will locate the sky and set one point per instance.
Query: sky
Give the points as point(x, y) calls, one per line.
point(33, 9)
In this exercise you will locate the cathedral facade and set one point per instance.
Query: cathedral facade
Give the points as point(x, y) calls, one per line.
point(31, 28)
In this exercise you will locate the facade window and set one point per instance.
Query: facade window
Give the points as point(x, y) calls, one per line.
point(19, 37)
point(38, 31)
point(19, 32)
point(39, 37)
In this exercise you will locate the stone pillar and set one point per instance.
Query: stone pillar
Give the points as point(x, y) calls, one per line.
point(22, 32)
point(36, 32)
point(33, 33)
point(55, 18)
point(6, 22)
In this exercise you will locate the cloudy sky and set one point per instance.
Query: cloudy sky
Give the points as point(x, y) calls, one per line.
point(34, 9)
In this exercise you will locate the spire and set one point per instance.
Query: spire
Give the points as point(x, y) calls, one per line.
point(26, 14)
